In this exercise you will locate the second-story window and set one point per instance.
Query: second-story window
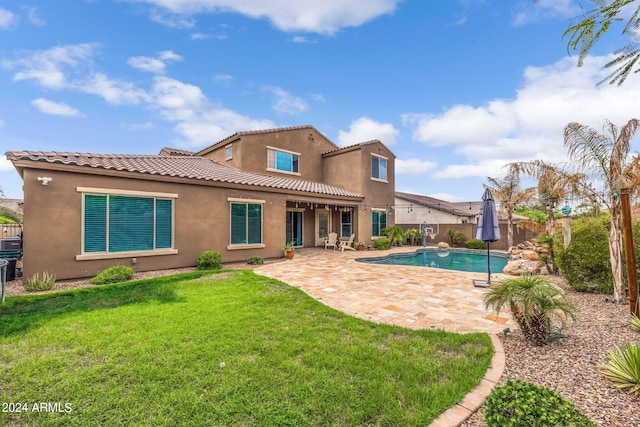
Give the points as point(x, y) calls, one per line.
point(229, 152)
point(378, 168)
point(283, 161)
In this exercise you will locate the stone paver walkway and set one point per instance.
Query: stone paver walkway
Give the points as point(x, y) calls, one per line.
point(413, 297)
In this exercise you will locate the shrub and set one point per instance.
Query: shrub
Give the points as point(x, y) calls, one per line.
point(254, 260)
point(535, 304)
point(382, 243)
point(635, 321)
point(623, 368)
point(395, 234)
point(413, 236)
point(40, 282)
point(475, 244)
point(6, 220)
point(210, 260)
point(585, 264)
point(456, 237)
point(523, 404)
point(116, 274)
point(10, 214)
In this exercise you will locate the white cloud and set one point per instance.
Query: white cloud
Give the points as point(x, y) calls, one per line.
point(8, 20)
point(197, 121)
point(33, 17)
point(55, 108)
point(171, 20)
point(366, 129)
point(137, 126)
point(48, 67)
point(530, 126)
point(154, 65)
point(526, 11)
point(325, 17)
point(302, 39)
point(223, 78)
point(5, 165)
point(285, 103)
point(413, 167)
point(113, 91)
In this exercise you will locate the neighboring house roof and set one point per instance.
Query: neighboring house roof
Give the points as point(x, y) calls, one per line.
point(459, 208)
point(191, 167)
point(168, 151)
point(454, 208)
point(259, 132)
point(12, 204)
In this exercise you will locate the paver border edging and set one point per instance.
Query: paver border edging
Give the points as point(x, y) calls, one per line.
point(461, 411)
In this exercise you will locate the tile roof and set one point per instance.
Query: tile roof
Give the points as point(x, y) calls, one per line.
point(169, 151)
point(191, 167)
point(262, 131)
point(355, 147)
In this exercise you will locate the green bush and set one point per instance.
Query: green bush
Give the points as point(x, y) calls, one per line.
point(116, 274)
point(382, 243)
point(210, 260)
point(6, 220)
point(475, 244)
point(623, 368)
point(455, 237)
point(10, 214)
point(255, 260)
point(519, 404)
point(585, 264)
point(40, 282)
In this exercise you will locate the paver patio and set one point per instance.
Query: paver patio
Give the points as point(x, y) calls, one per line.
point(413, 297)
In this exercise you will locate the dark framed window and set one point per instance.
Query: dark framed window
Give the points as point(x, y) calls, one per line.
point(379, 168)
point(283, 161)
point(117, 223)
point(345, 223)
point(378, 222)
point(246, 223)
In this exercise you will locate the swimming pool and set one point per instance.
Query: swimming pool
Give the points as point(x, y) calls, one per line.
point(469, 260)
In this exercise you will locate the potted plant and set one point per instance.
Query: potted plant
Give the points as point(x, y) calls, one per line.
point(288, 249)
point(360, 246)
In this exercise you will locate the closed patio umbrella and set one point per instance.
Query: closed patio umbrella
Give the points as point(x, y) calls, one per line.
point(488, 231)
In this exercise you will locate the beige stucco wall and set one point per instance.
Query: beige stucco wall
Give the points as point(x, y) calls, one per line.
point(411, 213)
point(53, 222)
point(250, 152)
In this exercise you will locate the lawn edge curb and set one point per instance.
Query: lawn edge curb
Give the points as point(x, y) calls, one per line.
point(461, 411)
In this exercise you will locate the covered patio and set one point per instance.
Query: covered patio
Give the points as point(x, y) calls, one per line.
point(413, 297)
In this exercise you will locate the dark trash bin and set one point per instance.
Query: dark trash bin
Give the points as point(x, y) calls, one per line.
point(10, 273)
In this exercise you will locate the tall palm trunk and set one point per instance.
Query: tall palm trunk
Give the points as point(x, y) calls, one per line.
point(509, 230)
point(615, 257)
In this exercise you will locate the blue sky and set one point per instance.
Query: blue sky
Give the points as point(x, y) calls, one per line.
point(455, 88)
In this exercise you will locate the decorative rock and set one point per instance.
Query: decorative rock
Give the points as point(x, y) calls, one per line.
point(530, 255)
point(443, 245)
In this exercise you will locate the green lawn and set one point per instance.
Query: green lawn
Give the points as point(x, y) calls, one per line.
point(228, 349)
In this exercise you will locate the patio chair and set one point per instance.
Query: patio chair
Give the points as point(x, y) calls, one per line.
point(347, 244)
point(331, 241)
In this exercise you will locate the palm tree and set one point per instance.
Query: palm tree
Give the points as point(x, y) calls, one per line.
point(509, 195)
point(537, 305)
point(605, 157)
point(554, 185)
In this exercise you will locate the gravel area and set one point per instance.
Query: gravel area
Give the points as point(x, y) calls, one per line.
point(568, 365)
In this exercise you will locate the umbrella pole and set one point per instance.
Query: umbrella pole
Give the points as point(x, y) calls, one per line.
point(488, 264)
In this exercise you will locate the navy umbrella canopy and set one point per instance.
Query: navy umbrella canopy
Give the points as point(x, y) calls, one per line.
point(488, 228)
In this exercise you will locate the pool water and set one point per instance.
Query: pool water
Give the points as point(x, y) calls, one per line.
point(469, 260)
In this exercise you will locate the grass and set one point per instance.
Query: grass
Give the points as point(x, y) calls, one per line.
point(223, 349)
